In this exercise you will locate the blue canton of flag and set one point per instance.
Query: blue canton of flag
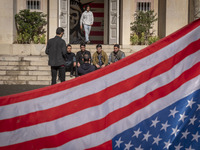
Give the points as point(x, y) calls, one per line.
point(176, 127)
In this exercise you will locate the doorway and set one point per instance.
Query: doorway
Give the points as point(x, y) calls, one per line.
point(77, 7)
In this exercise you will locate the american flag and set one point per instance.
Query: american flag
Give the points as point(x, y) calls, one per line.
point(147, 101)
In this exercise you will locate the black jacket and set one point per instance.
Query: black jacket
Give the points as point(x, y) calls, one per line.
point(69, 59)
point(56, 49)
point(85, 68)
point(80, 54)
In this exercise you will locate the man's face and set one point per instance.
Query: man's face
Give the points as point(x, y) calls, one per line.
point(116, 49)
point(82, 48)
point(69, 49)
point(99, 49)
point(88, 9)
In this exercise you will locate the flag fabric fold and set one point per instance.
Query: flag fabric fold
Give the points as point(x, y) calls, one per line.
point(149, 100)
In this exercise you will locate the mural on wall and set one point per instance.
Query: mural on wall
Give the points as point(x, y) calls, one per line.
point(77, 7)
point(77, 35)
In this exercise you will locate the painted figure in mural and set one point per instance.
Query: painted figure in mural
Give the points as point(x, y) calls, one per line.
point(100, 58)
point(116, 54)
point(56, 50)
point(87, 20)
point(70, 60)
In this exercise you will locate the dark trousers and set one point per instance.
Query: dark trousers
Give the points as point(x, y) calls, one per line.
point(54, 71)
point(70, 68)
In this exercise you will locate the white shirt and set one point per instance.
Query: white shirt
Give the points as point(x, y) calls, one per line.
point(87, 18)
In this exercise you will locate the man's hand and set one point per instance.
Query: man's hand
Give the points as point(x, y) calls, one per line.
point(102, 66)
point(78, 64)
point(81, 27)
point(97, 66)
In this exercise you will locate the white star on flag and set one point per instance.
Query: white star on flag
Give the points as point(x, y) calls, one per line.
point(185, 134)
point(167, 144)
point(182, 117)
point(178, 147)
point(156, 140)
point(198, 107)
point(139, 148)
point(192, 120)
point(154, 122)
point(190, 148)
point(196, 136)
point(175, 131)
point(173, 112)
point(136, 133)
point(128, 146)
point(164, 126)
point(190, 103)
point(146, 136)
point(118, 142)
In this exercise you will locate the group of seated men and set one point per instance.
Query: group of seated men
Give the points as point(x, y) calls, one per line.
point(82, 63)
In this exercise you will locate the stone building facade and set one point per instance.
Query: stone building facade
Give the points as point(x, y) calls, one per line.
point(112, 17)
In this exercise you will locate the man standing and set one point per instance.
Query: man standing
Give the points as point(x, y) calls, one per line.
point(86, 67)
point(70, 62)
point(56, 50)
point(116, 55)
point(100, 58)
point(87, 20)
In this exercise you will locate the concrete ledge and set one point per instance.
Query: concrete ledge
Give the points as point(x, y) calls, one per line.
point(39, 49)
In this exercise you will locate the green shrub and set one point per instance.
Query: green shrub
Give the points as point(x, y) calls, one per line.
point(35, 39)
point(134, 39)
point(143, 25)
point(42, 39)
point(29, 26)
point(152, 39)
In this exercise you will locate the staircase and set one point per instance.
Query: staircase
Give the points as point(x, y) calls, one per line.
point(34, 69)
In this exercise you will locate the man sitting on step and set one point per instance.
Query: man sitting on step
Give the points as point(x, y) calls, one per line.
point(86, 67)
point(116, 55)
point(80, 54)
point(100, 58)
point(70, 60)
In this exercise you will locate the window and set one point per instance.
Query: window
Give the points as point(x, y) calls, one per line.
point(33, 4)
point(143, 6)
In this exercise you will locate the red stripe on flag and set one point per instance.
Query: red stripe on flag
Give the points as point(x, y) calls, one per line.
point(100, 97)
point(96, 33)
point(96, 42)
point(15, 98)
point(97, 5)
point(97, 24)
point(98, 125)
point(98, 14)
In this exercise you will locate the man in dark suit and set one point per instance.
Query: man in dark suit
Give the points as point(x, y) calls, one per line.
point(56, 50)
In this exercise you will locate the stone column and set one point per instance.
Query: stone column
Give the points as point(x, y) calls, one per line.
point(176, 15)
point(125, 21)
point(7, 14)
point(53, 17)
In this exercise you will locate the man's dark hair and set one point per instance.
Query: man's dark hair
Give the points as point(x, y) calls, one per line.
point(82, 44)
point(86, 58)
point(116, 45)
point(87, 7)
point(99, 45)
point(69, 45)
point(59, 30)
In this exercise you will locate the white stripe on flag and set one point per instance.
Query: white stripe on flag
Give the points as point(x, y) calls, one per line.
point(79, 118)
point(68, 95)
